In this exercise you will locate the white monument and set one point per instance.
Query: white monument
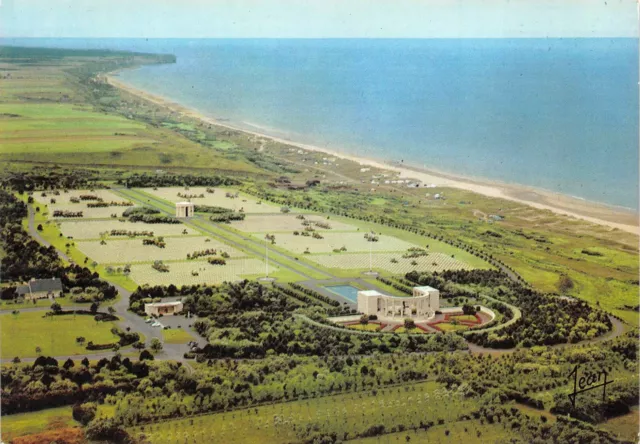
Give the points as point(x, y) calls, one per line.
point(423, 304)
point(185, 209)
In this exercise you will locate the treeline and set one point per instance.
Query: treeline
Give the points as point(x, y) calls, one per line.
point(148, 215)
point(226, 217)
point(168, 180)
point(49, 179)
point(314, 294)
point(24, 258)
point(46, 384)
point(546, 319)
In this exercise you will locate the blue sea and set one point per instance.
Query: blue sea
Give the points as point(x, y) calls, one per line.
point(557, 114)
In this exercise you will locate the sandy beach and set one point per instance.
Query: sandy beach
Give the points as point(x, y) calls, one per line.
point(597, 213)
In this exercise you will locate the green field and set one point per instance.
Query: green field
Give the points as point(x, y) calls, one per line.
point(347, 415)
point(35, 422)
point(448, 327)
point(176, 336)
point(55, 335)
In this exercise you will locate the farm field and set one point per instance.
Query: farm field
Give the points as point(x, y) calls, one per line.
point(180, 272)
point(354, 242)
point(56, 335)
point(92, 229)
point(286, 223)
point(218, 198)
point(348, 414)
point(382, 261)
point(129, 251)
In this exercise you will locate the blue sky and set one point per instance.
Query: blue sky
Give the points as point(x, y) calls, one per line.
point(318, 18)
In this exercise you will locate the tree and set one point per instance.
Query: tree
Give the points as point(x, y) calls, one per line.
point(409, 324)
point(156, 345)
point(38, 350)
point(564, 284)
point(16, 360)
point(56, 308)
point(84, 413)
point(80, 340)
point(111, 310)
point(364, 319)
point(40, 227)
point(106, 429)
point(146, 356)
point(68, 364)
point(85, 362)
point(468, 309)
point(94, 308)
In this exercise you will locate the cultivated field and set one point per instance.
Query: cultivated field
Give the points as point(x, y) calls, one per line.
point(218, 198)
point(346, 415)
point(130, 251)
point(354, 242)
point(56, 336)
point(382, 261)
point(180, 273)
point(92, 229)
point(286, 223)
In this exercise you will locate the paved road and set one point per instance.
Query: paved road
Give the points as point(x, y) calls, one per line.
point(127, 318)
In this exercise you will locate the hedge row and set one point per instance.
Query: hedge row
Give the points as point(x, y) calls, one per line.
point(315, 294)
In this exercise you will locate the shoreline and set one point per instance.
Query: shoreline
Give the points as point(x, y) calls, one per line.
point(573, 207)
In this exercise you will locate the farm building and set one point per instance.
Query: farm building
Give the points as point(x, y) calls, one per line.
point(423, 304)
point(40, 289)
point(185, 209)
point(163, 308)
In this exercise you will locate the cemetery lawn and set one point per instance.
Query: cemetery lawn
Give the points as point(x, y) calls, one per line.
point(56, 335)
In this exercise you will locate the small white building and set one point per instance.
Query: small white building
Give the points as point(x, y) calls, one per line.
point(163, 308)
point(424, 302)
point(185, 209)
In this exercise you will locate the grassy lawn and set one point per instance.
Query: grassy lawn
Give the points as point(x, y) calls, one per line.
point(36, 422)
point(365, 327)
point(448, 327)
point(411, 331)
point(55, 335)
point(52, 234)
point(176, 336)
point(464, 318)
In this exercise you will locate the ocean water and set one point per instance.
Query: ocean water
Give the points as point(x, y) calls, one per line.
point(558, 114)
